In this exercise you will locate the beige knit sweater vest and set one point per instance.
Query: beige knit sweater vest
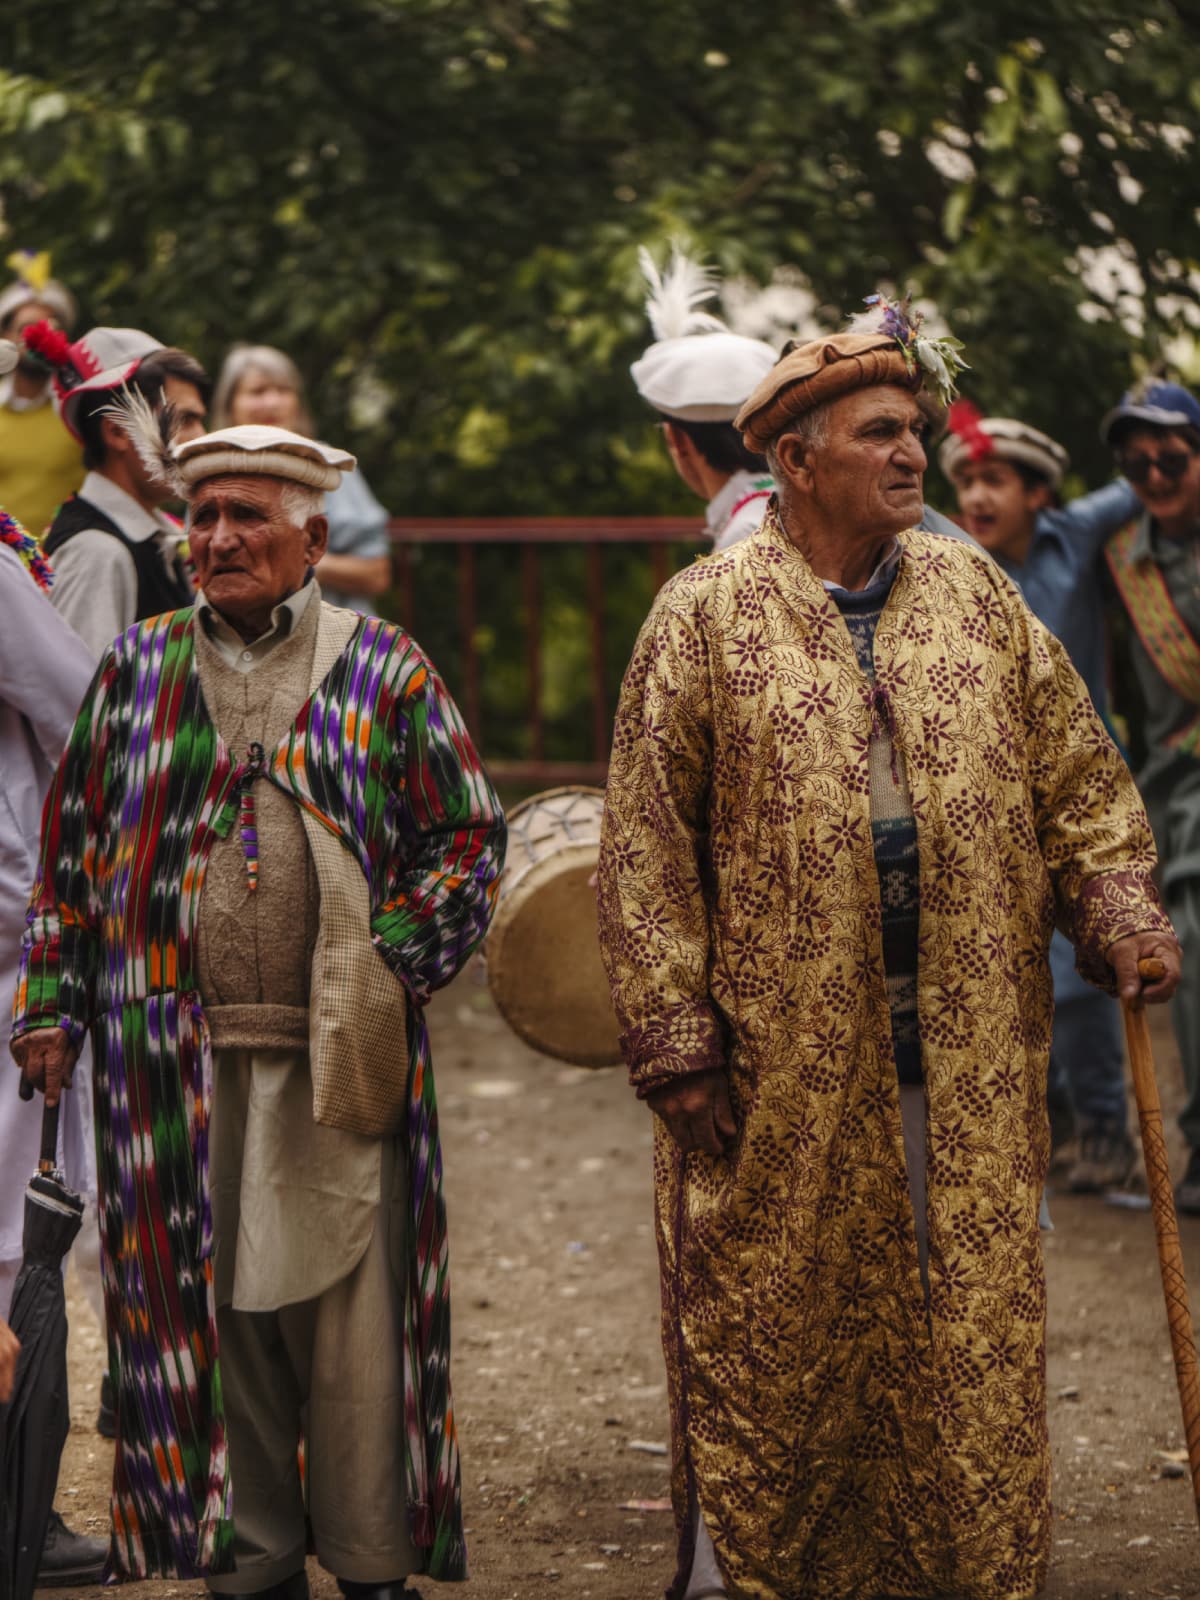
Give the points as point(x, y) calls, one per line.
point(255, 948)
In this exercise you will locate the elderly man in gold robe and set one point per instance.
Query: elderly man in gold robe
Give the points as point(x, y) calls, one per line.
point(855, 784)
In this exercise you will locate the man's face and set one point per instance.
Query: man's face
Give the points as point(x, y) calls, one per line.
point(24, 317)
point(867, 477)
point(998, 505)
point(189, 408)
point(1164, 470)
point(248, 552)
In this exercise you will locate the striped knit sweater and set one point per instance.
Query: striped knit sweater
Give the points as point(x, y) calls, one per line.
point(379, 755)
point(894, 834)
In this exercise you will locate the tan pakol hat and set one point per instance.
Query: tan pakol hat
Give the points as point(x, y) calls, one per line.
point(976, 438)
point(808, 375)
point(253, 450)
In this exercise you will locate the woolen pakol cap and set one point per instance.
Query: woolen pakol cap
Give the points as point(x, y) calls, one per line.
point(973, 437)
point(104, 358)
point(824, 369)
point(35, 287)
point(697, 370)
point(255, 450)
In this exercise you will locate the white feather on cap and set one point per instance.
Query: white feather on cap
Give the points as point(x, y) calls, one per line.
point(676, 292)
point(696, 370)
point(152, 430)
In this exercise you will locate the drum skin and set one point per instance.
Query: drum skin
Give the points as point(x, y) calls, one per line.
point(543, 950)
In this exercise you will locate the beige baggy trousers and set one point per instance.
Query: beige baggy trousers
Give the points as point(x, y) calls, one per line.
point(329, 1369)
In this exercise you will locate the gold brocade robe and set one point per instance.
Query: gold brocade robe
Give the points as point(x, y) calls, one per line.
point(841, 1441)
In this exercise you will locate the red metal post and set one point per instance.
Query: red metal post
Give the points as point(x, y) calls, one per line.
point(403, 567)
point(658, 565)
point(531, 583)
point(601, 731)
point(468, 620)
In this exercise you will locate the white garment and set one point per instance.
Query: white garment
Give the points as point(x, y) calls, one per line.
point(96, 584)
point(738, 508)
point(19, 402)
point(45, 669)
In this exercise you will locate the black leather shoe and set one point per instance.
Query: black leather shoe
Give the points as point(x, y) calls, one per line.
point(396, 1589)
point(69, 1558)
point(106, 1422)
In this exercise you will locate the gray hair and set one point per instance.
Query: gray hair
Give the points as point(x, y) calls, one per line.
point(299, 503)
point(811, 431)
point(244, 359)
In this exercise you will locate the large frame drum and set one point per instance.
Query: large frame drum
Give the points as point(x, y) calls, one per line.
point(543, 950)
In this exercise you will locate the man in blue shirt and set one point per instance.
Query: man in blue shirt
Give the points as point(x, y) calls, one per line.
point(1154, 563)
point(1007, 476)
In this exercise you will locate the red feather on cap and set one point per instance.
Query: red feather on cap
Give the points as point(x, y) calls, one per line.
point(49, 342)
point(965, 419)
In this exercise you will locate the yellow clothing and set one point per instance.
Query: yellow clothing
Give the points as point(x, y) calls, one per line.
point(842, 1438)
point(40, 465)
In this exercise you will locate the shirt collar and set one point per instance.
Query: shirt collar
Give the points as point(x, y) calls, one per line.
point(885, 567)
point(134, 521)
point(285, 619)
point(1150, 545)
point(721, 507)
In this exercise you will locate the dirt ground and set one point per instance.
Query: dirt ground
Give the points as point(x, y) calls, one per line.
point(558, 1378)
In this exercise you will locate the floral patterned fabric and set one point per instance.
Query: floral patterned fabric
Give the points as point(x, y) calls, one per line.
point(842, 1438)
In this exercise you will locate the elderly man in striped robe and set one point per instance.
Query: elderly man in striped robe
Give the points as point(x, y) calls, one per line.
point(268, 841)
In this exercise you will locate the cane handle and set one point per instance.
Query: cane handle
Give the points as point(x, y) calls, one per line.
point(25, 1089)
point(1152, 969)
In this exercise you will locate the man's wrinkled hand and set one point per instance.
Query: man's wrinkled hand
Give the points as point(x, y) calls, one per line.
point(697, 1111)
point(10, 1349)
point(1123, 958)
point(46, 1058)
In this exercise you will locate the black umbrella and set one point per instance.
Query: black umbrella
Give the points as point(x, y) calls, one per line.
point(34, 1424)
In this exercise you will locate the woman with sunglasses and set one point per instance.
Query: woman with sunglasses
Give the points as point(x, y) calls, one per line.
point(1008, 478)
point(1155, 565)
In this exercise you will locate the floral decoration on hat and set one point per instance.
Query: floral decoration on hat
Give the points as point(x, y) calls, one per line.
point(939, 360)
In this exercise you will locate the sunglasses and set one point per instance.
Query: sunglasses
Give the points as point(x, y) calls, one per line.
point(1172, 464)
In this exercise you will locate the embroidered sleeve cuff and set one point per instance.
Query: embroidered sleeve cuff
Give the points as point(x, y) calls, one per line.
point(682, 1039)
point(29, 1023)
point(1112, 906)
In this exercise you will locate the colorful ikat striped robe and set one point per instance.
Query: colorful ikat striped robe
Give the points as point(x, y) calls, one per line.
point(379, 755)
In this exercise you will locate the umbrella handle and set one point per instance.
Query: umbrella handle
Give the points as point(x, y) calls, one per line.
point(49, 1157)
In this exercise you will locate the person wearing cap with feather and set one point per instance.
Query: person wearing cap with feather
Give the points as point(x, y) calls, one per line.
point(697, 375)
point(40, 463)
point(117, 554)
point(270, 838)
point(1154, 568)
point(1007, 476)
point(854, 781)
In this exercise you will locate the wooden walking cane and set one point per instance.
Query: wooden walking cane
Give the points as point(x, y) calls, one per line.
point(1166, 1223)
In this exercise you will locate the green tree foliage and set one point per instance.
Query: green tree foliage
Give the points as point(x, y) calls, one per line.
point(434, 205)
